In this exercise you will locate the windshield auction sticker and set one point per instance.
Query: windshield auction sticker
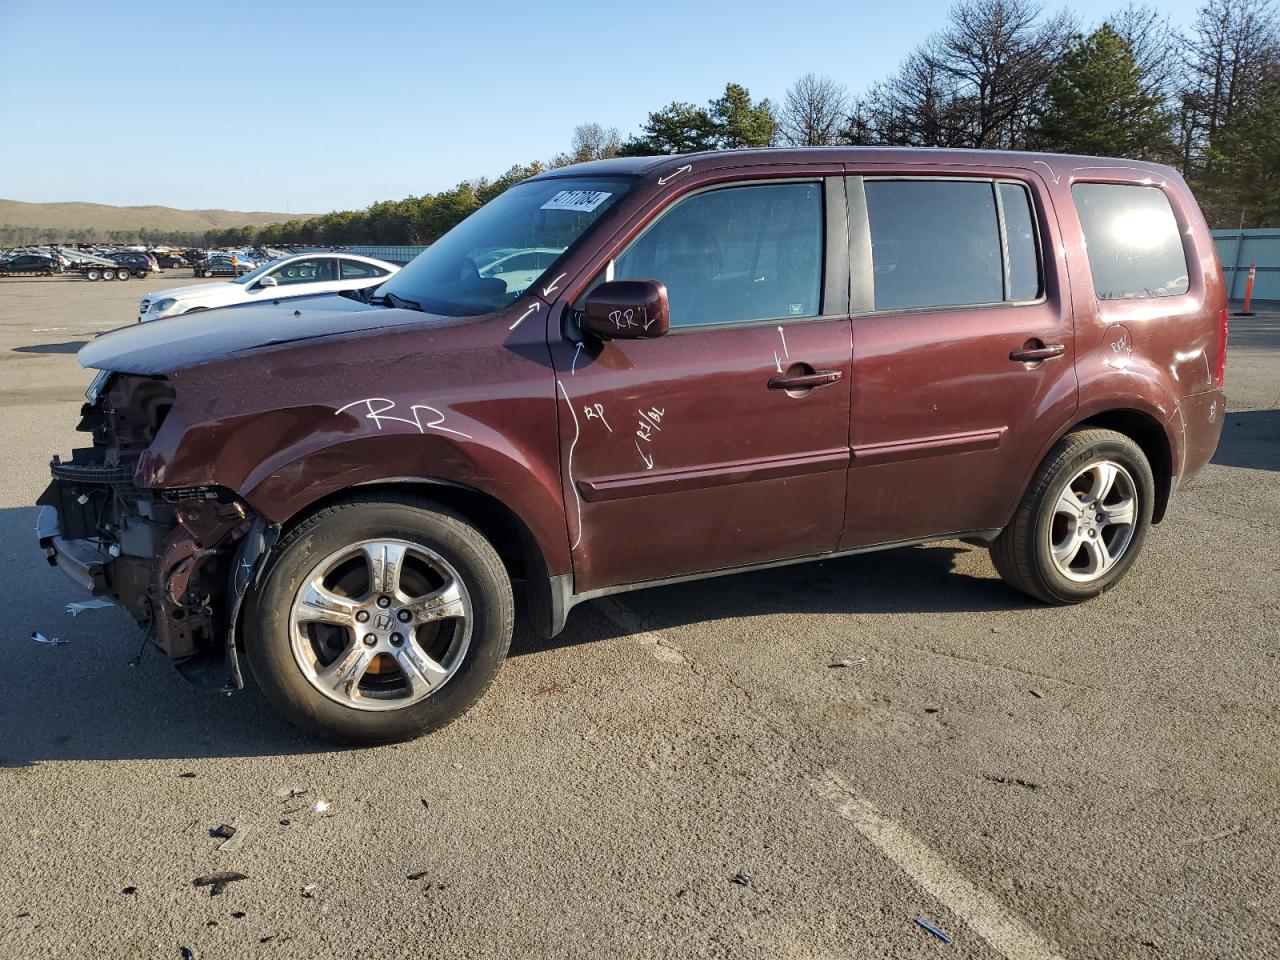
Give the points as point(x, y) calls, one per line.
point(583, 201)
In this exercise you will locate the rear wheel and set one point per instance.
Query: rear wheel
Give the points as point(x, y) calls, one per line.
point(92, 274)
point(1083, 520)
point(379, 619)
point(122, 274)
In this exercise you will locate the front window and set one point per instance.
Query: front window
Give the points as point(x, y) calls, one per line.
point(488, 260)
point(311, 270)
point(253, 274)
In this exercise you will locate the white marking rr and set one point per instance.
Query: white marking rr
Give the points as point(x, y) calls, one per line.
point(979, 910)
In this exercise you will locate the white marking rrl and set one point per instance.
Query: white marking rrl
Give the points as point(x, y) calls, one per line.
point(537, 305)
point(979, 910)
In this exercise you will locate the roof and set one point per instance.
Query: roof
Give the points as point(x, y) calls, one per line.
point(1058, 163)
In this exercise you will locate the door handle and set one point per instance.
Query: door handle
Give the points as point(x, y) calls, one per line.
point(804, 381)
point(1028, 353)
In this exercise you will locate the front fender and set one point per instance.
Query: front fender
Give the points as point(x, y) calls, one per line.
point(280, 462)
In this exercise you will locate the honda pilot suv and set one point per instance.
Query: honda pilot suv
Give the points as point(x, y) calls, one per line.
point(705, 364)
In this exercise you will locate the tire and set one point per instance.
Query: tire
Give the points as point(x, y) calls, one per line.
point(92, 274)
point(1034, 553)
point(122, 274)
point(140, 274)
point(284, 642)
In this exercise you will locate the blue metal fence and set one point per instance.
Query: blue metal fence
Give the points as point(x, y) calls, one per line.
point(1239, 248)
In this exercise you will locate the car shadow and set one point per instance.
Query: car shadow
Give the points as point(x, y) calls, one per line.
point(70, 346)
point(1250, 438)
point(920, 579)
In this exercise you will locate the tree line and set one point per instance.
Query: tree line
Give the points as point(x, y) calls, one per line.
point(999, 74)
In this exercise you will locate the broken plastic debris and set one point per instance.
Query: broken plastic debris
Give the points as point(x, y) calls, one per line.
point(223, 830)
point(186, 953)
point(926, 925)
point(742, 878)
point(321, 807)
point(288, 793)
point(416, 876)
point(217, 882)
point(841, 664)
point(39, 637)
point(129, 891)
point(309, 891)
point(77, 607)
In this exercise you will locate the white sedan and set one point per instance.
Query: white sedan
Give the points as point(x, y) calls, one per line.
point(296, 276)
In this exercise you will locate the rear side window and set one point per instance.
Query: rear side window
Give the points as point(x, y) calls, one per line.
point(735, 254)
point(944, 243)
point(1135, 249)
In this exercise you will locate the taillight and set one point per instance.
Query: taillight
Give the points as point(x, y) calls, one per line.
point(1220, 370)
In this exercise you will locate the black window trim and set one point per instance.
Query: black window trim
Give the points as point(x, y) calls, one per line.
point(833, 288)
point(862, 267)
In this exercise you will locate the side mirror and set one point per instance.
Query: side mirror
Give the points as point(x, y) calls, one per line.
point(268, 282)
point(627, 310)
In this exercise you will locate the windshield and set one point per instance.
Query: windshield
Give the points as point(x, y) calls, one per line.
point(491, 258)
point(255, 273)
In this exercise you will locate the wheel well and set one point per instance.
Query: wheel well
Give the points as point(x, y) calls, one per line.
point(1147, 433)
point(494, 519)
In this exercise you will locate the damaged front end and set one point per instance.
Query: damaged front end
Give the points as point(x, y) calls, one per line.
point(178, 560)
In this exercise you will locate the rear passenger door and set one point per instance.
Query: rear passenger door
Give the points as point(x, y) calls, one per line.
point(963, 351)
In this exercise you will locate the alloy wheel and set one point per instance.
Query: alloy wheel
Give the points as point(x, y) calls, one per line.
point(381, 624)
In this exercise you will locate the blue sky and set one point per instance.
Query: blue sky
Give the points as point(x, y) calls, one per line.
point(322, 106)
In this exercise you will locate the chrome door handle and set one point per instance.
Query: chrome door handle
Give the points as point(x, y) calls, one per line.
point(804, 381)
point(1035, 354)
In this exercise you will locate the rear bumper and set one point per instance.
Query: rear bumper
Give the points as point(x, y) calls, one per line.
point(1202, 416)
point(80, 560)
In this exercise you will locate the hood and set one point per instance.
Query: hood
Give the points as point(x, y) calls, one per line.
point(195, 290)
point(187, 340)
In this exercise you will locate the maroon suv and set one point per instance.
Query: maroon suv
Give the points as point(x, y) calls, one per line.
point(636, 371)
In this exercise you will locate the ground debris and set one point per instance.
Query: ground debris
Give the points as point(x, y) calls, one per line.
point(223, 830)
point(39, 637)
point(186, 953)
point(77, 607)
point(936, 931)
point(129, 891)
point(188, 775)
point(309, 891)
point(845, 663)
point(741, 878)
point(217, 882)
point(1012, 781)
point(418, 875)
point(1231, 832)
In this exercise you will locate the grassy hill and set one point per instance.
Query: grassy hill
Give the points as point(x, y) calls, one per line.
point(62, 220)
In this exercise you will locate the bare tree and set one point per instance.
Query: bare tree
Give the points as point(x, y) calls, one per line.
point(591, 141)
point(1229, 51)
point(814, 112)
point(999, 55)
point(1156, 49)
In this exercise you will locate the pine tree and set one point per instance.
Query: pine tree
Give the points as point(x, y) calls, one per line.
point(1097, 103)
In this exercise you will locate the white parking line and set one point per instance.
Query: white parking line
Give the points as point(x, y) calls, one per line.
point(978, 909)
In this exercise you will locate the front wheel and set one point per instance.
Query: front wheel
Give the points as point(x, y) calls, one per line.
point(1083, 520)
point(379, 619)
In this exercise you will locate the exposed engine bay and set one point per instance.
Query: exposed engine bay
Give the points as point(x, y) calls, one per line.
point(167, 556)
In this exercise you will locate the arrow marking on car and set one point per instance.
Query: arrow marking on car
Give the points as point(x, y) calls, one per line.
point(548, 291)
point(784, 344)
point(533, 309)
point(573, 369)
point(662, 181)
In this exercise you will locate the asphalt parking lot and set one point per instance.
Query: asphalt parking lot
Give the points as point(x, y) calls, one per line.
point(795, 763)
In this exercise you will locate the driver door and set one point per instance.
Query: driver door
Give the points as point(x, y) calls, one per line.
point(688, 453)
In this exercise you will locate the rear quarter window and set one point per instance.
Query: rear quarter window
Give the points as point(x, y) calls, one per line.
point(1132, 240)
